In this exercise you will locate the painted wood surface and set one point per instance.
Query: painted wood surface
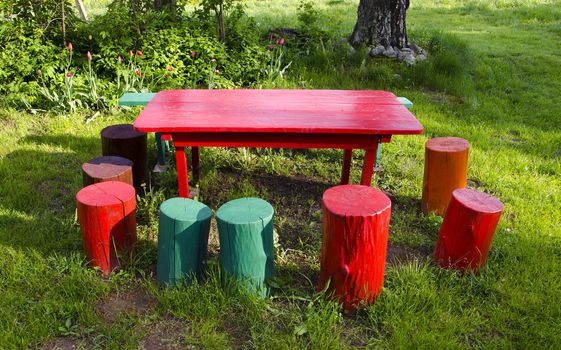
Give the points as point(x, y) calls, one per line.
point(110, 168)
point(123, 141)
point(407, 104)
point(245, 228)
point(183, 230)
point(355, 235)
point(106, 213)
point(276, 119)
point(446, 167)
point(467, 232)
point(281, 111)
point(136, 98)
point(142, 99)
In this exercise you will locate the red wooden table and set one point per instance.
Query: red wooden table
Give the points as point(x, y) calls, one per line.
point(343, 119)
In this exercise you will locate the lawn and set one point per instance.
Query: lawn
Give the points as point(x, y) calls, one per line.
point(498, 88)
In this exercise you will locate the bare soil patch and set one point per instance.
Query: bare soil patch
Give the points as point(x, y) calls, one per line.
point(166, 334)
point(398, 255)
point(133, 302)
point(60, 343)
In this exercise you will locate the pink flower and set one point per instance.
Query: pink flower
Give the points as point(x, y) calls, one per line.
point(193, 54)
point(89, 56)
point(139, 53)
point(170, 69)
point(166, 75)
point(281, 41)
point(69, 46)
point(119, 59)
point(131, 53)
point(270, 47)
point(137, 71)
point(276, 41)
point(69, 75)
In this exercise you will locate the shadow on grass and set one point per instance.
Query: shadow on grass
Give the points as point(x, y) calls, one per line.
point(38, 189)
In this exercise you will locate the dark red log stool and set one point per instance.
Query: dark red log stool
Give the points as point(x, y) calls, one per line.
point(104, 169)
point(106, 213)
point(123, 141)
point(355, 236)
point(467, 231)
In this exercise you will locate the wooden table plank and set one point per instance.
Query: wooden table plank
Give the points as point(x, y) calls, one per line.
point(278, 111)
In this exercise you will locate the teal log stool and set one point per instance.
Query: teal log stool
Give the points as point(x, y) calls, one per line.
point(245, 228)
point(182, 240)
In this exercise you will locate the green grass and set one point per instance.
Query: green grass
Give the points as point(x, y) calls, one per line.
point(493, 78)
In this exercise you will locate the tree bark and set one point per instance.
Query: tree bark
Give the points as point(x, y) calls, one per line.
point(381, 23)
point(81, 10)
point(162, 4)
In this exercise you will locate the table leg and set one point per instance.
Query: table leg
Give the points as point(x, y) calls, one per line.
point(347, 158)
point(182, 172)
point(368, 167)
point(161, 149)
point(195, 163)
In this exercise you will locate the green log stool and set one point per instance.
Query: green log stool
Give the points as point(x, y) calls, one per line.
point(245, 228)
point(182, 240)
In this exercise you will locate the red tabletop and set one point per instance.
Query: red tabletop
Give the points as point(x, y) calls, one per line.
point(277, 111)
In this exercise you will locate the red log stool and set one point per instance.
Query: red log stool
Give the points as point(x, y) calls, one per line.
point(123, 141)
point(104, 169)
point(355, 236)
point(446, 165)
point(106, 213)
point(467, 231)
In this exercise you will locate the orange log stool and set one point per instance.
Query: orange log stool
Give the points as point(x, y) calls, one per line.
point(446, 165)
point(355, 236)
point(467, 231)
point(111, 168)
point(106, 213)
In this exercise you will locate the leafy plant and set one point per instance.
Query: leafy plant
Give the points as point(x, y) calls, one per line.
point(276, 67)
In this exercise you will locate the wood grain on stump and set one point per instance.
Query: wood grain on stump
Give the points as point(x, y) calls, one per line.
point(446, 166)
point(106, 213)
point(467, 231)
point(103, 169)
point(183, 231)
point(355, 236)
point(123, 141)
point(245, 228)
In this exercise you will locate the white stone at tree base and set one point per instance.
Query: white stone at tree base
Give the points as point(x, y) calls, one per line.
point(410, 55)
point(377, 51)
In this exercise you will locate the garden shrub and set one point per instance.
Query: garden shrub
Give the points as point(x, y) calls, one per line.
point(170, 49)
point(448, 67)
point(25, 59)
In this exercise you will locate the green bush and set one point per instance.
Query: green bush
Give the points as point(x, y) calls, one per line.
point(176, 51)
point(448, 67)
point(25, 59)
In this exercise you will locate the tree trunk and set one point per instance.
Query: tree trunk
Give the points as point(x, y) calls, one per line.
point(81, 10)
point(162, 4)
point(381, 23)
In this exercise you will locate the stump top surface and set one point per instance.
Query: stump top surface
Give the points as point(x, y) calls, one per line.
point(121, 131)
point(447, 144)
point(185, 209)
point(478, 201)
point(355, 200)
point(108, 166)
point(106, 194)
point(245, 211)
